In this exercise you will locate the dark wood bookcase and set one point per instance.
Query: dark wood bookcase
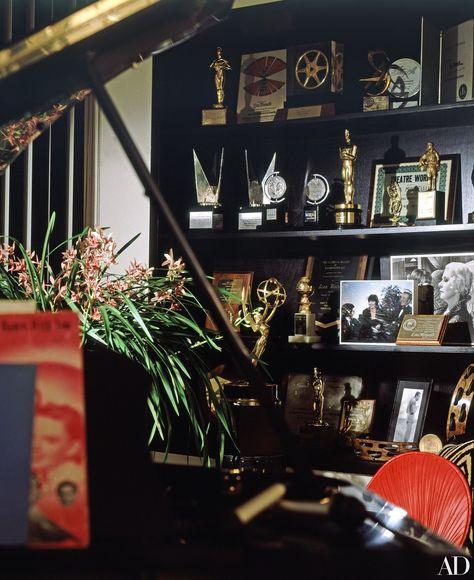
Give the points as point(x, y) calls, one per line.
point(183, 86)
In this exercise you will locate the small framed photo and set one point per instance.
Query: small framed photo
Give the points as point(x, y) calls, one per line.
point(409, 410)
point(451, 278)
point(411, 179)
point(372, 310)
point(234, 288)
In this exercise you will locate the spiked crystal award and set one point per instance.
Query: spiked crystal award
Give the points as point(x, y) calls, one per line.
point(207, 215)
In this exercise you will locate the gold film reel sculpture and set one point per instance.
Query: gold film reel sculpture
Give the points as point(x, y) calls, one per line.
point(311, 70)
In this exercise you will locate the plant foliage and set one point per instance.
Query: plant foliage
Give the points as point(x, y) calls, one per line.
point(145, 314)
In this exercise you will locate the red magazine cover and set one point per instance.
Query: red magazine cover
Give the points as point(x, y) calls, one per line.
point(58, 501)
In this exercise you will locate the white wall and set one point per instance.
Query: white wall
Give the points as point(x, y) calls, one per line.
point(121, 203)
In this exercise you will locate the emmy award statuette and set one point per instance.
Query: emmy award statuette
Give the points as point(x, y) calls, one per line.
point(316, 192)
point(218, 114)
point(348, 214)
point(430, 209)
point(208, 213)
point(305, 325)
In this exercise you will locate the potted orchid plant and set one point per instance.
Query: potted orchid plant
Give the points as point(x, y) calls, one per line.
point(149, 316)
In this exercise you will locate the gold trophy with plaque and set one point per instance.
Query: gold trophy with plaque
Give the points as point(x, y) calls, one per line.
point(348, 214)
point(218, 114)
point(305, 324)
point(430, 207)
point(376, 86)
point(207, 215)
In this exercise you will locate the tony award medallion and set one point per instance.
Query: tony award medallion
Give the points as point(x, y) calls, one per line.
point(347, 214)
point(208, 213)
point(316, 192)
point(266, 196)
point(430, 209)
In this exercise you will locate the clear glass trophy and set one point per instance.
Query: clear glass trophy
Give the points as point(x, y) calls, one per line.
point(207, 214)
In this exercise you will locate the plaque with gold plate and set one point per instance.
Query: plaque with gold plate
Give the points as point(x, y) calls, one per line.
point(218, 114)
point(348, 214)
point(315, 79)
point(422, 329)
point(207, 215)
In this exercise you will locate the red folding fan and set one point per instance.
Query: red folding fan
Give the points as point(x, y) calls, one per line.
point(430, 489)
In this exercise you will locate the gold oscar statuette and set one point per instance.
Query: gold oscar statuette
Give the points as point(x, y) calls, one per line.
point(318, 401)
point(348, 214)
point(217, 115)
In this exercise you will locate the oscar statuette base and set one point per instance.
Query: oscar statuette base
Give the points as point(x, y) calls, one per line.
point(347, 215)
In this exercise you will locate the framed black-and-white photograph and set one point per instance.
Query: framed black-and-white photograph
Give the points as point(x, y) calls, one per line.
point(409, 410)
point(372, 310)
point(450, 275)
point(411, 179)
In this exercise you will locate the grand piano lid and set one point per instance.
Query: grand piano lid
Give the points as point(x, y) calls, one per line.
point(110, 35)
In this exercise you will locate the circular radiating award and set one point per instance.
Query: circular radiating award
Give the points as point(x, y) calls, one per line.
point(405, 75)
point(317, 189)
point(274, 187)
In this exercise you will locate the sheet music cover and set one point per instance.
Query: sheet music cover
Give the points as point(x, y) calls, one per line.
point(58, 500)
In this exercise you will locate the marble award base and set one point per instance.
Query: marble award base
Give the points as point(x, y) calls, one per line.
point(347, 215)
point(206, 218)
point(216, 116)
point(250, 217)
point(305, 326)
point(430, 209)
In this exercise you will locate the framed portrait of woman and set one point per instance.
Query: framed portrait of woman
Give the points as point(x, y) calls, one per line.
point(451, 277)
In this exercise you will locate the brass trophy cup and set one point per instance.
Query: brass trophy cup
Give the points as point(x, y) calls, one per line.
point(207, 215)
point(218, 114)
point(430, 209)
point(348, 214)
point(305, 324)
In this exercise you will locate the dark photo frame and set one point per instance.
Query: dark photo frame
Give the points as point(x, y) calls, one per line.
point(409, 410)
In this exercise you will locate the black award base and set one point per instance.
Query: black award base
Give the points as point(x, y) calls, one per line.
point(313, 217)
point(275, 217)
point(347, 215)
point(206, 218)
point(250, 217)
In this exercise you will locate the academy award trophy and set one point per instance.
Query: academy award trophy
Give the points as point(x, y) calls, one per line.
point(316, 192)
point(348, 214)
point(318, 402)
point(430, 209)
point(208, 213)
point(305, 326)
point(218, 114)
point(267, 207)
